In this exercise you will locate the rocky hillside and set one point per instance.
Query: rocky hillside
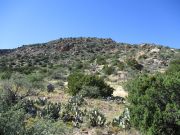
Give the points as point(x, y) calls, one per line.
point(38, 75)
point(89, 54)
point(115, 62)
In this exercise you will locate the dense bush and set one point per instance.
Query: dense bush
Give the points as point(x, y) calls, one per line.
point(6, 75)
point(90, 91)
point(132, 63)
point(12, 121)
point(174, 66)
point(108, 70)
point(52, 110)
point(47, 127)
point(100, 60)
point(121, 65)
point(11, 114)
point(79, 83)
point(155, 103)
point(50, 88)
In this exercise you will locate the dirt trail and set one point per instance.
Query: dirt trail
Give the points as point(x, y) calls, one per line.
point(119, 91)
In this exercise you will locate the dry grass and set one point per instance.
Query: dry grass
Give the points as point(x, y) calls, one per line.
point(109, 109)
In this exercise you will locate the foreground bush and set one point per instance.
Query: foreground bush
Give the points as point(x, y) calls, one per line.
point(95, 86)
point(155, 103)
point(174, 66)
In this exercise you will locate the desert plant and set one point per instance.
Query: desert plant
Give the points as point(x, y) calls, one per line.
point(29, 107)
point(50, 88)
point(154, 103)
point(51, 110)
point(71, 111)
point(108, 70)
point(174, 66)
point(6, 75)
point(41, 101)
point(123, 121)
point(133, 63)
point(77, 81)
point(90, 91)
point(96, 118)
point(77, 100)
point(41, 126)
point(100, 60)
point(121, 65)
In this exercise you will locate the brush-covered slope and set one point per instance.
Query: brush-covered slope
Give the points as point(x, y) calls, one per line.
point(88, 54)
point(37, 76)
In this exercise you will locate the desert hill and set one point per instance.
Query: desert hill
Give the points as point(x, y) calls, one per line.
point(38, 75)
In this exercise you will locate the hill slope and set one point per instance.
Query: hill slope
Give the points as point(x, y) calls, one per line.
point(34, 67)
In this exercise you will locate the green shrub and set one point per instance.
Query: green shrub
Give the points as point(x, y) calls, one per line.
point(12, 121)
point(108, 70)
point(47, 127)
point(90, 91)
point(121, 65)
point(52, 110)
point(100, 60)
point(77, 83)
point(50, 88)
point(131, 62)
point(174, 66)
point(155, 103)
point(6, 75)
point(35, 77)
point(11, 114)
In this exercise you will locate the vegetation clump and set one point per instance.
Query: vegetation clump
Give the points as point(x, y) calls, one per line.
point(50, 88)
point(90, 85)
point(155, 102)
point(133, 63)
point(108, 70)
point(123, 120)
point(96, 118)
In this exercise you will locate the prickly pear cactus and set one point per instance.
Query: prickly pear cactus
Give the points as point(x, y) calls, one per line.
point(77, 100)
point(29, 107)
point(51, 110)
point(123, 121)
point(41, 101)
point(96, 118)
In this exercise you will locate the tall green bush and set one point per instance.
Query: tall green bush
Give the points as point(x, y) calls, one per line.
point(155, 103)
point(78, 83)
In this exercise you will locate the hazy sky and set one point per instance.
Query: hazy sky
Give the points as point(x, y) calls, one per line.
point(131, 21)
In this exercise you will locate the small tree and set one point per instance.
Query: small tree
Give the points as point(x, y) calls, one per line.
point(50, 88)
point(79, 83)
point(155, 103)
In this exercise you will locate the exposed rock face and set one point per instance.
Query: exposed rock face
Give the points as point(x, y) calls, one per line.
point(155, 50)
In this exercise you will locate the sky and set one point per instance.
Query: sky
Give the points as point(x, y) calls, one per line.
point(25, 22)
